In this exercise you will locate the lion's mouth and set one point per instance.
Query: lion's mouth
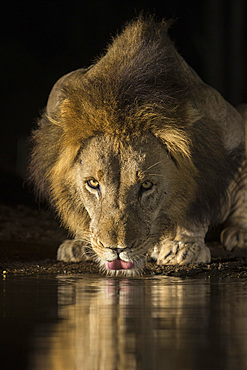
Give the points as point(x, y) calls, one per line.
point(119, 264)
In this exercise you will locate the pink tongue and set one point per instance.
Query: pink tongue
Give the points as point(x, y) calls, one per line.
point(119, 265)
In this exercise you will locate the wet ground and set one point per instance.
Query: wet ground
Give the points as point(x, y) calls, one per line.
point(29, 239)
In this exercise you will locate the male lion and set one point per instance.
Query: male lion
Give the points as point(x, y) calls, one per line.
point(138, 155)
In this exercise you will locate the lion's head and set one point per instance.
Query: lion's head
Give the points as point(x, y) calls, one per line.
point(131, 189)
point(134, 145)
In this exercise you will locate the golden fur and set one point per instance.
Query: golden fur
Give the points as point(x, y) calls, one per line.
point(140, 114)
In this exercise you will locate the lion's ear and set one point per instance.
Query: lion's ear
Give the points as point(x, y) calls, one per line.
point(57, 95)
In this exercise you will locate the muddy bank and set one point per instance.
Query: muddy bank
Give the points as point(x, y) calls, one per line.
point(236, 268)
point(30, 237)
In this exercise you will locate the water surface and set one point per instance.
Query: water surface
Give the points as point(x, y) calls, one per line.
point(91, 322)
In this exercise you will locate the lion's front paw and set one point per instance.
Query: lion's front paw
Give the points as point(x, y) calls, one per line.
point(72, 251)
point(183, 253)
point(232, 237)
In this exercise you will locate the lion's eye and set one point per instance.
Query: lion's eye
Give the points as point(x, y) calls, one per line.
point(147, 185)
point(92, 183)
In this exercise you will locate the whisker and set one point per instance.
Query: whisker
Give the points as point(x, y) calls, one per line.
point(156, 174)
point(85, 242)
point(155, 164)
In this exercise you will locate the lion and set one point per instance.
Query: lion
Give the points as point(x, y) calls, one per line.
point(139, 157)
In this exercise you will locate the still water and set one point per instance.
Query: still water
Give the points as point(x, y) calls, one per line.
point(91, 322)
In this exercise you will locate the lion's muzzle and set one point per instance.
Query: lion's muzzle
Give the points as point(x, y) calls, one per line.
point(118, 259)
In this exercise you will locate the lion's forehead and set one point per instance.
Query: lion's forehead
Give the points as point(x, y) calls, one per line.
point(107, 156)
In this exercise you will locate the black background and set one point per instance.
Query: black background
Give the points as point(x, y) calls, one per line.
point(42, 40)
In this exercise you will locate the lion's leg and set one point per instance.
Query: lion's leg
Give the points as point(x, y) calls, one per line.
point(187, 247)
point(75, 250)
point(235, 233)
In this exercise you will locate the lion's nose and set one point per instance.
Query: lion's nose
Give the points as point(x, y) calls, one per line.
point(118, 250)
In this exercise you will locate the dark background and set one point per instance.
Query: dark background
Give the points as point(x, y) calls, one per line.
point(42, 40)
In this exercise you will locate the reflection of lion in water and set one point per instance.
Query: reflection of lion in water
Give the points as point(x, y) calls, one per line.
point(136, 153)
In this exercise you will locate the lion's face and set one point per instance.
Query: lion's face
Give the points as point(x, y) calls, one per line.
point(128, 188)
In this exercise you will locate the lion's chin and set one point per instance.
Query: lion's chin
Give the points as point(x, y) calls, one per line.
point(119, 264)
